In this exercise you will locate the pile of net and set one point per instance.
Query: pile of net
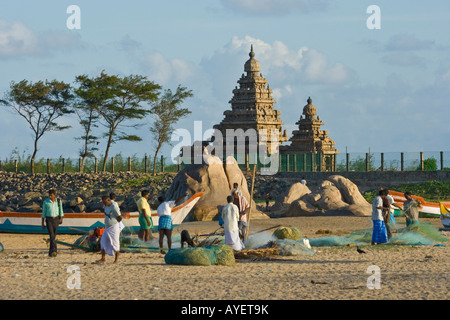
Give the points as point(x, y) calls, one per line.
point(287, 233)
point(418, 234)
point(222, 255)
point(285, 241)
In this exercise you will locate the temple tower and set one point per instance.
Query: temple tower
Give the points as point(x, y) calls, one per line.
point(252, 108)
point(309, 139)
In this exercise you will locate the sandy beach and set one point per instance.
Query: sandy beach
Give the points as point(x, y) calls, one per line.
point(333, 273)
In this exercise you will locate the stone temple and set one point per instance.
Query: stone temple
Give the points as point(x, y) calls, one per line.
point(252, 108)
point(309, 139)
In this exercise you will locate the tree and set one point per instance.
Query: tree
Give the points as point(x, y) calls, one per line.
point(166, 112)
point(40, 104)
point(123, 101)
point(90, 97)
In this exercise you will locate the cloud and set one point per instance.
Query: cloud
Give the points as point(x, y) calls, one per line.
point(280, 65)
point(17, 40)
point(404, 59)
point(405, 42)
point(167, 71)
point(275, 7)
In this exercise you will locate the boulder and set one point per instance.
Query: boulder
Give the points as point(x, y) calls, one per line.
point(216, 180)
point(335, 196)
point(295, 192)
point(302, 207)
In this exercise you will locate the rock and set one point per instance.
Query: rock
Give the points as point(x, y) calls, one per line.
point(295, 192)
point(215, 180)
point(300, 208)
point(349, 191)
point(335, 196)
point(75, 202)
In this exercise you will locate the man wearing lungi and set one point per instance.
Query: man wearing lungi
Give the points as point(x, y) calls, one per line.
point(230, 217)
point(165, 226)
point(145, 216)
point(379, 233)
point(110, 241)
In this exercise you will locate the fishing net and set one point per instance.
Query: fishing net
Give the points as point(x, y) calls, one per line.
point(131, 243)
point(265, 244)
point(287, 233)
point(201, 256)
point(424, 234)
point(289, 247)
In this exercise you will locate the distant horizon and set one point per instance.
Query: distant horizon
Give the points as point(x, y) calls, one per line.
point(386, 89)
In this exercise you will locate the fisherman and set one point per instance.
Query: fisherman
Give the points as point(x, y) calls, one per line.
point(411, 210)
point(243, 207)
point(165, 225)
point(110, 241)
point(112, 196)
point(379, 234)
point(236, 189)
point(230, 217)
point(52, 216)
point(303, 181)
point(145, 218)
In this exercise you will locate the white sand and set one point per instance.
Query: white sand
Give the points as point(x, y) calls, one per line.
point(419, 272)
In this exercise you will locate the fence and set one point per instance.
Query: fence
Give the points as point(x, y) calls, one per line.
point(305, 162)
point(62, 165)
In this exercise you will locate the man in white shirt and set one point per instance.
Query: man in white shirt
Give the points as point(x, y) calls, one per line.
point(379, 233)
point(165, 226)
point(230, 217)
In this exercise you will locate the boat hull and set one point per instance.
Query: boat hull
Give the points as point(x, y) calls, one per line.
point(445, 214)
point(79, 223)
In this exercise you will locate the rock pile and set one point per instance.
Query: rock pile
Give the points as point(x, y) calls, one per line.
point(79, 192)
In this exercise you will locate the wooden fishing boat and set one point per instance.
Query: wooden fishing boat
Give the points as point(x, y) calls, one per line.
point(445, 214)
point(427, 210)
point(79, 223)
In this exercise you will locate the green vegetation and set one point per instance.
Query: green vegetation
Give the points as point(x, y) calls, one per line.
point(433, 191)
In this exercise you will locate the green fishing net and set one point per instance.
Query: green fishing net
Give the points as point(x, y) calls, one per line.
point(418, 234)
point(201, 256)
point(287, 233)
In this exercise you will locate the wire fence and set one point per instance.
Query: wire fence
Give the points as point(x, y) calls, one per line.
point(305, 162)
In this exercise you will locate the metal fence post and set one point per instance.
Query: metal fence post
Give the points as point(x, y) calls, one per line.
point(402, 161)
point(421, 161)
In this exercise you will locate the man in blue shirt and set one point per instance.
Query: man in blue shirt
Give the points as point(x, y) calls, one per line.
point(52, 216)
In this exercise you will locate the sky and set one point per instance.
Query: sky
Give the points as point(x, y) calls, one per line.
point(383, 89)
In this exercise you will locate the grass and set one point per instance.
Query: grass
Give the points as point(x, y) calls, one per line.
point(432, 191)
